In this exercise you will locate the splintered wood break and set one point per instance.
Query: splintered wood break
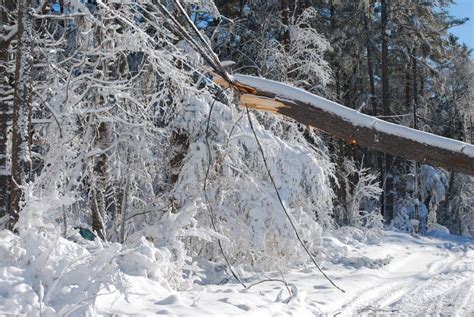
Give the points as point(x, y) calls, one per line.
point(220, 81)
point(243, 89)
point(261, 103)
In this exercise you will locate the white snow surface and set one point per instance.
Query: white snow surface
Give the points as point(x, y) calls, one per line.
point(401, 274)
point(287, 92)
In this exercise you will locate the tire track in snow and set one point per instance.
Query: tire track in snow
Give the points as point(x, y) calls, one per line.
point(444, 296)
point(448, 293)
point(468, 303)
point(457, 301)
point(381, 298)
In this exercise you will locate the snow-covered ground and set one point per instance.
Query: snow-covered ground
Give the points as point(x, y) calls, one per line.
point(403, 275)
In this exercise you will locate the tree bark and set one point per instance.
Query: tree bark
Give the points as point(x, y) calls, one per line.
point(98, 200)
point(385, 74)
point(388, 198)
point(285, 16)
point(4, 114)
point(21, 127)
point(415, 126)
point(415, 93)
point(339, 145)
point(6, 95)
point(370, 71)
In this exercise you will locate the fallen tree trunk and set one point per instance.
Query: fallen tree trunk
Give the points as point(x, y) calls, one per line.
point(352, 126)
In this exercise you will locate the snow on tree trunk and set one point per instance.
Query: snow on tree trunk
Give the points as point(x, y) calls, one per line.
point(6, 95)
point(21, 158)
point(4, 117)
point(354, 127)
point(100, 182)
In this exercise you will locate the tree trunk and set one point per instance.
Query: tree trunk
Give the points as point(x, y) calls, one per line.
point(388, 197)
point(4, 117)
point(339, 145)
point(415, 94)
point(352, 126)
point(370, 70)
point(124, 207)
point(285, 17)
point(21, 127)
point(337, 71)
point(98, 201)
point(415, 126)
point(446, 217)
point(385, 74)
point(471, 128)
point(408, 88)
point(6, 106)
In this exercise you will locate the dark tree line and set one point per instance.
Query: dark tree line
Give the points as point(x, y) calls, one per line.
point(391, 59)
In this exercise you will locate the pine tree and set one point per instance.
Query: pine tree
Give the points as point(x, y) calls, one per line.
point(8, 11)
point(21, 127)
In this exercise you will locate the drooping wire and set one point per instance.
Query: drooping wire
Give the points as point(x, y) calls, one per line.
point(283, 206)
point(215, 63)
point(219, 69)
point(206, 197)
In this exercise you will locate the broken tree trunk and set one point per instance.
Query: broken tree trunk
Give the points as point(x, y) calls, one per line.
point(352, 126)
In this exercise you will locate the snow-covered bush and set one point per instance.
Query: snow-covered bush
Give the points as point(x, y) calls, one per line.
point(417, 211)
point(410, 215)
point(45, 274)
point(363, 210)
point(127, 154)
point(432, 192)
point(457, 212)
point(246, 208)
point(360, 207)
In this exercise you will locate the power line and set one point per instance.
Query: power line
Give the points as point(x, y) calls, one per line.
point(283, 206)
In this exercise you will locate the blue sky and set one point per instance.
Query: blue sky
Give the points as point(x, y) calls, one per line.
point(465, 32)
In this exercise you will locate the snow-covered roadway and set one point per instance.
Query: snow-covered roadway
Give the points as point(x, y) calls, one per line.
point(412, 276)
point(433, 277)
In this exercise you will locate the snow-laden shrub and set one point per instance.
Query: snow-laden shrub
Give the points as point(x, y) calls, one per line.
point(143, 259)
point(243, 199)
point(432, 192)
point(359, 212)
point(405, 212)
point(128, 153)
point(417, 211)
point(458, 211)
point(356, 236)
point(363, 210)
point(45, 274)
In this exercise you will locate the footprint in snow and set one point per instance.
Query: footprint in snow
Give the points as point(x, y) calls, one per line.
point(240, 306)
point(172, 299)
point(321, 287)
point(163, 312)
